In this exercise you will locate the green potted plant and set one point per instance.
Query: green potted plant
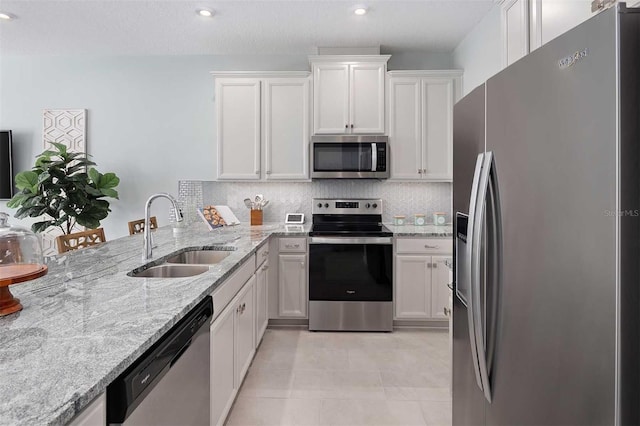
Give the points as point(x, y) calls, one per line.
point(60, 188)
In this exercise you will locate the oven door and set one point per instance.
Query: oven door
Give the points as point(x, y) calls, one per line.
point(344, 160)
point(350, 269)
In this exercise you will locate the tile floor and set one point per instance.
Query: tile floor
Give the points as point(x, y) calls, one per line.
point(313, 378)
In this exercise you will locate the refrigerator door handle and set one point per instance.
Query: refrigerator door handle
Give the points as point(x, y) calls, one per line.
point(488, 185)
point(472, 235)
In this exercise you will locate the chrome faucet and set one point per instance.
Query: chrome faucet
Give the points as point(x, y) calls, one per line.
point(148, 245)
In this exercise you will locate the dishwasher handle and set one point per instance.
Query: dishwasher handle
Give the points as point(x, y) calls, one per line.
point(181, 351)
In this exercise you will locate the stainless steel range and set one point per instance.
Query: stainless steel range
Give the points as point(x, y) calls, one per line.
point(350, 266)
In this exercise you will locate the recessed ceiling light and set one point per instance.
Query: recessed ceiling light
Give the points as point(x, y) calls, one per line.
point(207, 13)
point(360, 11)
point(6, 16)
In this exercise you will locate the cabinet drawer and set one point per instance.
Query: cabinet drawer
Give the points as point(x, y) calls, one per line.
point(227, 290)
point(292, 245)
point(262, 254)
point(424, 245)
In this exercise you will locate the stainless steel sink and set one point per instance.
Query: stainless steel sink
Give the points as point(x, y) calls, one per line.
point(200, 257)
point(171, 271)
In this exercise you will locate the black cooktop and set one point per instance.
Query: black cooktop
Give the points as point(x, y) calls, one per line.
point(347, 229)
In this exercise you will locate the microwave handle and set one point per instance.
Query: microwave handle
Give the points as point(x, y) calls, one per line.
point(374, 157)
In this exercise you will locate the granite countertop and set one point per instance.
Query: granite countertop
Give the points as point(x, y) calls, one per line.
point(443, 231)
point(86, 321)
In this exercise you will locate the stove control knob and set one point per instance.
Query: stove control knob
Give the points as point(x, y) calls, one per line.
point(319, 205)
point(326, 205)
point(367, 205)
point(375, 206)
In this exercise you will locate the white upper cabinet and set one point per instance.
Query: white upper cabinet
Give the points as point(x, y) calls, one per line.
point(238, 128)
point(528, 24)
point(263, 125)
point(420, 119)
point(348, 94)
point(286, 128)
point(515, 30)
point(550, 18)
point(330, 98)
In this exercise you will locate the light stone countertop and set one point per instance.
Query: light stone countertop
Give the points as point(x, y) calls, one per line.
point(431, 231)
point(86, 321)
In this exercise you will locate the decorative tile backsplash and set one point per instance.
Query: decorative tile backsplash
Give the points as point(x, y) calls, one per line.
point(400, 198)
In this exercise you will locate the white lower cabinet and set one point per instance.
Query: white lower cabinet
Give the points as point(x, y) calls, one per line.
point(439, 290)
point(413, 289)
point(223, 387)
point(421, 279)
point(292, 288)
point(262, 300)
point(245, 330)
point(233, 345)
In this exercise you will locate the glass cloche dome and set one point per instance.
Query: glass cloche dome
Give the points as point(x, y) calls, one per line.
point(20, 260)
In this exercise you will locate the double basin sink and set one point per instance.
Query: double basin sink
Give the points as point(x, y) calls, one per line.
point(187, 263)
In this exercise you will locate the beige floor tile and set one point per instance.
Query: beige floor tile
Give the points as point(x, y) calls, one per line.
point(274, 411)
point(436, 413)
point(417, 393)
point(317, 378)
point(337, 384)
point(267, 383)
point(367, 412)
point(321, 359)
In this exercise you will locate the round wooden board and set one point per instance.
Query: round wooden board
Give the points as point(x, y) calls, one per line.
point(18, 273)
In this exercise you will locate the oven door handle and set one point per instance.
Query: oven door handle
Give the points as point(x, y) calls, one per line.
point(347, 240)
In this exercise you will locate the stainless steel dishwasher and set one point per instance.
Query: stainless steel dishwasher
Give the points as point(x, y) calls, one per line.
point(168, 384)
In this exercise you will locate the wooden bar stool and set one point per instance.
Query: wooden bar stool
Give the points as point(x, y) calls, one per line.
point(137, 226)
point(82, 239)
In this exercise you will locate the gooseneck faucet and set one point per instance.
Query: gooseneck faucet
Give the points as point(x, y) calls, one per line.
point(148, 249)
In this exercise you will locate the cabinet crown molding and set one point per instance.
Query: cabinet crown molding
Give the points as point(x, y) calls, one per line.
point(425, 73)
point(260, 74)
point(313, 59)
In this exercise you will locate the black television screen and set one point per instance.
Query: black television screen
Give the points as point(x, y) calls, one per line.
point(6, 169)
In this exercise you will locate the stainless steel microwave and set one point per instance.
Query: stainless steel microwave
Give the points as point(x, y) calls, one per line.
point(349, 157)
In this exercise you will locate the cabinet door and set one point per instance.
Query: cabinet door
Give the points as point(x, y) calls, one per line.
point(413, 287)
point(238, 128)
point(223, 387)
point(262, 301)
point(366, 98)
point(437, 128)
point(405, 128)
point(331, 98)
point(551, 18)
point(292, 288)
point(286, 128)
point(515, 30)
point(245, 343)
point(439, 290)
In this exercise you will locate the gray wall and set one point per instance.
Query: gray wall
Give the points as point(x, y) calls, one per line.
point(480, 52)
point(150, 119)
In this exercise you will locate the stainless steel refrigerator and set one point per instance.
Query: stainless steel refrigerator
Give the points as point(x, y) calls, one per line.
point(547, 249)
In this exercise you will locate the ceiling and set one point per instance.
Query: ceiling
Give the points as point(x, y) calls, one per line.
point(159, 27)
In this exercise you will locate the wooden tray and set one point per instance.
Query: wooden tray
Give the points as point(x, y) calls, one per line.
point(14, 274)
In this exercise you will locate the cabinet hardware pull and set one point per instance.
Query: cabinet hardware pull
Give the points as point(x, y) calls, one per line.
point(346, 126)
point(435, 265)
point(427, 246)
point(268, 172)
point(429, 265)
point(265, 253)
point(419, 171)
point(352, 126)
point(257, 172)
point(292, 245)
point(265, 267)
point(447, 311)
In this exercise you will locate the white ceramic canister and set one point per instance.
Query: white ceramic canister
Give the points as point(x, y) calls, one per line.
point(439, 218)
